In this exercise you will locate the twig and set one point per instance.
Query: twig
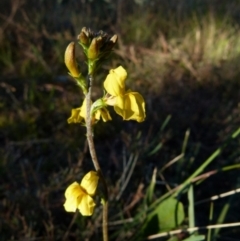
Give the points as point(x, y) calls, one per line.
point(222, 195)
point(171, 233)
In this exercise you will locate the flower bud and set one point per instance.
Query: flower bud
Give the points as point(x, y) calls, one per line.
point(96, 45)
point(70, 60)
point(108, 45)
point(83, 37)
point(87, 32)
point(93, 50)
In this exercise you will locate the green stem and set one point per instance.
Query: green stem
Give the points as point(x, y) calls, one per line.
point(95, 160)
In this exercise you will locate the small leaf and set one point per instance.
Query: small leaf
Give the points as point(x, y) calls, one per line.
point(195, 238)
point(174, 238)
point(170, 214)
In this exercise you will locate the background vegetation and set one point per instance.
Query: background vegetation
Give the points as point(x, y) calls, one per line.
point(183, 56)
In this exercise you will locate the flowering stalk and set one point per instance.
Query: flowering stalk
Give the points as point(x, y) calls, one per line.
point(96, 47)
point(130, 105)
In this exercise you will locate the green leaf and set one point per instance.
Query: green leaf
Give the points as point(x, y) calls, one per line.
point(167, 215)
point(170, 214)
point(195, 238)
point(174, 238)
point(156, 149)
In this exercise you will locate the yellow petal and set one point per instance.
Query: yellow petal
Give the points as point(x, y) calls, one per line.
point(83, 112)
point(121, 72)
point(110, 100)
point(137, 105)
point(75, 116)
point(90, 182)
point(104, 113)
point(86, 205)
point(115, 81)
point(131, 106)
point(78, 114)
point(73, 193)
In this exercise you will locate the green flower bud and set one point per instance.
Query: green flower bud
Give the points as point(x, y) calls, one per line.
point(93, 49)
point(87, 32)
point(83, 37)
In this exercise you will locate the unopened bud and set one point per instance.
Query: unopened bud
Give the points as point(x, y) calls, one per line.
point(83, 38)
point(86, 31)
point(109, 44)
point(93, 50)
point(70, 60)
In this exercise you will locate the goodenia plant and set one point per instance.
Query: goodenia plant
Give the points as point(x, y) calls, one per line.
point(130, 105)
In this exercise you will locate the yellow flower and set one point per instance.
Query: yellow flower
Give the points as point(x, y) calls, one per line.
point(130, 105)
point(76, 116)
point(80, 196)
point(79, 114)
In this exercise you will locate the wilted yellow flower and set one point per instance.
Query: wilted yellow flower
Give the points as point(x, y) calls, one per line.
point(79, 114)
point(130, 105)
point(79, 196)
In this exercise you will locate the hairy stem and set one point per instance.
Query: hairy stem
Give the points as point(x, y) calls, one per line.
point(95, 160)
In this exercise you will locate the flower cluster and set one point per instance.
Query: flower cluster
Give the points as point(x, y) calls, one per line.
point(128, 104)
point(79, 114)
